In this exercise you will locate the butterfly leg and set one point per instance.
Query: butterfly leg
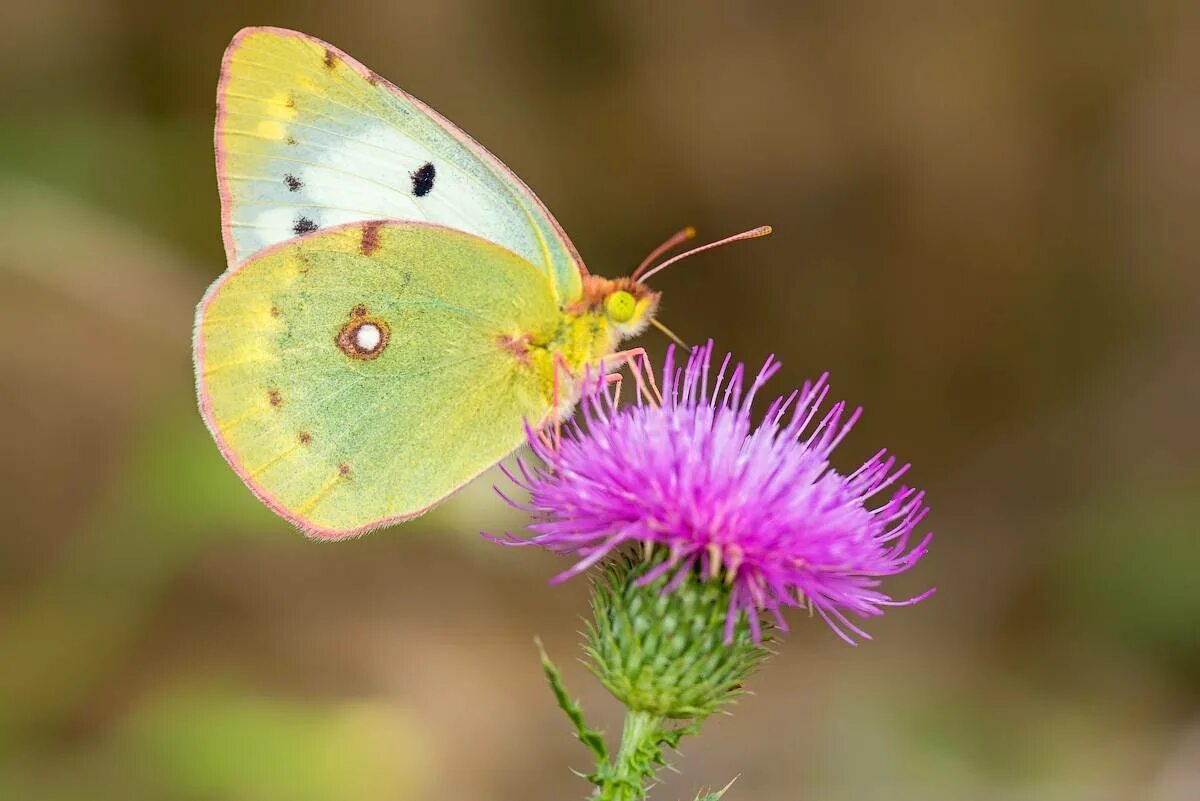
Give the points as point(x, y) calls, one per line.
point(551, 436)
point(614, 395)
point(639, 367)
point(561, 369)
point(638, 360)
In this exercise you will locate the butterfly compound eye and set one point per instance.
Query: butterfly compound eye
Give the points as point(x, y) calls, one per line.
point(620, 306)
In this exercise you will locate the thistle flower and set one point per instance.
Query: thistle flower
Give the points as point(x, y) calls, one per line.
point(759, 507)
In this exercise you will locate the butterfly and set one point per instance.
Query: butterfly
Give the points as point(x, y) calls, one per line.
point(398, 305)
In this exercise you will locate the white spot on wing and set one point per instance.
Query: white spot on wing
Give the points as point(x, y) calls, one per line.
point(367, 337)
point(269, 226)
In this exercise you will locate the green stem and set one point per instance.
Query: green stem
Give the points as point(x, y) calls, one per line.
point(635, 762)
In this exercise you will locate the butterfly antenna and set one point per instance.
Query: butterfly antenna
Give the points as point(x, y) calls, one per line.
point(754, 234)
point(669, 333)
point(677, 239)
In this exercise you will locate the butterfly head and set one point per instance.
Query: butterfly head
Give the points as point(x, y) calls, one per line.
point(627, 306)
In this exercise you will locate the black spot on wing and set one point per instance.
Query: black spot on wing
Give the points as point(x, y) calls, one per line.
point(422, 179)
point(330, 60)
point(303, 226)
point(293, 183)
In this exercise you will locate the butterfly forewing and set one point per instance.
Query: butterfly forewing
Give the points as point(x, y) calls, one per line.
point(308, 138)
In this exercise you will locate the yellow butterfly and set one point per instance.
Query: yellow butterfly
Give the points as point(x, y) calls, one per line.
point(398, 303)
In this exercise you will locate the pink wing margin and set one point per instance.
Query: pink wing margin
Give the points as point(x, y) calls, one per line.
point(482, 153)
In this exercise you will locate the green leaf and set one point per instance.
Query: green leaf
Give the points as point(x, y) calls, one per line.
point(715, 796)
point(591, 738)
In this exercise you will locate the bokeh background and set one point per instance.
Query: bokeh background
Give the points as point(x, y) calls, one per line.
point(986, 217)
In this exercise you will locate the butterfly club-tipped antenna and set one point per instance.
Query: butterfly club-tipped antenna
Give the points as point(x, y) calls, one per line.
point(644, 269)
point(644, 272)
point(675, 240)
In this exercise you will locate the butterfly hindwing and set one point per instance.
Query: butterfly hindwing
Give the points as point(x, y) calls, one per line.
point(355, 376)
point(308, 138)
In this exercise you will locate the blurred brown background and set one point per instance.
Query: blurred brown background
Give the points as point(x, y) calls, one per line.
point(986, 218)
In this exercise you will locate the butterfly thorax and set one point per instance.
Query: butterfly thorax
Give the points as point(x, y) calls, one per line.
point(590, 331)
